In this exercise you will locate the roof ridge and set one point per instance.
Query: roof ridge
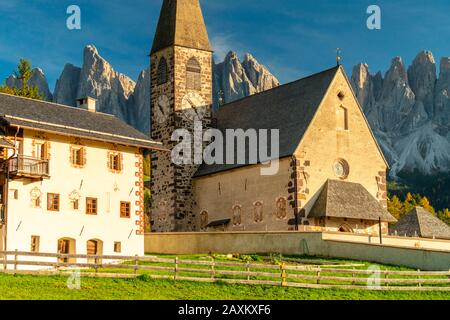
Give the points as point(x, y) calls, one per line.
point(282, 86)
point(56, 104)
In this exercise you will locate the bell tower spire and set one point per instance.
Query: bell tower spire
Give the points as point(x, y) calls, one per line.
point(181, 98)
point(181, 24)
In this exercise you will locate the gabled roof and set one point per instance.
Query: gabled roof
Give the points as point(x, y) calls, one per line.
point(341, 199)
point(181, 23)
point(289, 108)
point(421, 223)
point(70, 121)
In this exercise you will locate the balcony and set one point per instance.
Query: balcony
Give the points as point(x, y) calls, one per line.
point(29, 167)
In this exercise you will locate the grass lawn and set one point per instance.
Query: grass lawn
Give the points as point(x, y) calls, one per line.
point(144, 288)
point(52, 288)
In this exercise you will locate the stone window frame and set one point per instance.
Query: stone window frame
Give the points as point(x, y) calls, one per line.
point(346, 166)
point(193, 74)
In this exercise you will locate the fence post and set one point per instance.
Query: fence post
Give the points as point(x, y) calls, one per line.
point(386, 277)
point(96, 265)
point(136, 264)
point(353, 276)
point(318, 276)
point(248, 271)
point(283, 274)
point(15, 262)
point(418, 277)
point(213, 268)
point(176, 269)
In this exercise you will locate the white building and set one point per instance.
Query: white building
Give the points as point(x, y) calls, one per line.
point(73, 182)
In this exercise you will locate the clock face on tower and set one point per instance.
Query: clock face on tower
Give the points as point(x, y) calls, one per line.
point(193, 107)
point(162, 109)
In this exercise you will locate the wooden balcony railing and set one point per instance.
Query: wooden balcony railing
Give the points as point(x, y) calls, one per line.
point(25, 166)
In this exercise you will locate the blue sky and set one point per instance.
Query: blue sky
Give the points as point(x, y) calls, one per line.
point(292, 38)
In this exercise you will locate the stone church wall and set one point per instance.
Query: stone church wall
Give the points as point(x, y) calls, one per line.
point(249, 200)
point(327, 141)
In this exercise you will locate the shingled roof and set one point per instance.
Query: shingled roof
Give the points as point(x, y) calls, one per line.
point(421, 223)
point(60, 119)
point(289, 108)
point(181, 23)
point(341, 199)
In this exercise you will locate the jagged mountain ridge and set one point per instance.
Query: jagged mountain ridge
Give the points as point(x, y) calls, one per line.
point(119, 95)
point(409, 110)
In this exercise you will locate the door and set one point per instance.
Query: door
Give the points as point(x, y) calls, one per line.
point(63, 248)
point(93, 249)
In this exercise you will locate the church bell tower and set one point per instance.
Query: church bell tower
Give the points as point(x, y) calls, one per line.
point(181, 94)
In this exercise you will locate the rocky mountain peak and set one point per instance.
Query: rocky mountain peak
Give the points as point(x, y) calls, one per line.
point(234, 79)
point(422, 79)
point(37, 79)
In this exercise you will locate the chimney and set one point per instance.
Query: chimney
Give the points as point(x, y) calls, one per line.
point(87, 103)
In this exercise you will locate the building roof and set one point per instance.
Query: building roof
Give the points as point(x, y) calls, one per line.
point(5, 143)
point(181, 23)
point(70, 121)
point(289, 108)
point(341, 199)
point(218, 223)
point(421, 223)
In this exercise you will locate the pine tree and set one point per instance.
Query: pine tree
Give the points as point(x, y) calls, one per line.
point(23, 73)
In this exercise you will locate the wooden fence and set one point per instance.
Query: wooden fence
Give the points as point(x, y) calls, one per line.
point(291, 273)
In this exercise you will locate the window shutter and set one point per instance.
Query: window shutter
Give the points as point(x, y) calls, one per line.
point(83, 156)
point(71, 156)
point(47, 147)
point(109, 164)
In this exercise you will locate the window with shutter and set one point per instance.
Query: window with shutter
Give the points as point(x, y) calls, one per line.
point(53, 202)
point(91, 206)
point(125, 209)
point(193, 75)
point(162, 72)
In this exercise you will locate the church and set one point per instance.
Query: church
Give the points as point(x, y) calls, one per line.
point(331, 171)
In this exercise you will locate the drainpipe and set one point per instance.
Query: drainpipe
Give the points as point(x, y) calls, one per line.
point(6, 192)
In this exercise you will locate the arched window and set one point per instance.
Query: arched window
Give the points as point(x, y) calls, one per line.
point(162, 71)
point(342, 118)
point(193, 75)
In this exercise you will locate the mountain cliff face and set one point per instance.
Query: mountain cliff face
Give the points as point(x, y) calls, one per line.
point(409, 110)
point(117, 94)
point(233, 79)
point(37, 79)
point(98, 80)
